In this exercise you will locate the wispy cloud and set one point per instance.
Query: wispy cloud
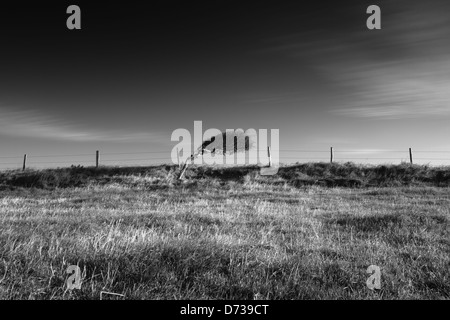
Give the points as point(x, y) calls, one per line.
point(28, 123)
point(398, 93)
point(399, 72)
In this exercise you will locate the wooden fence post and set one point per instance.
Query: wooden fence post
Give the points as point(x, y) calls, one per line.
point(410, 156)
point(24, 162)
point(97, 158)
point(331, 155)
point(178, 159)
point(270, 157)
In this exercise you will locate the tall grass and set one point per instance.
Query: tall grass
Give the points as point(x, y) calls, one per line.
point(226, 233)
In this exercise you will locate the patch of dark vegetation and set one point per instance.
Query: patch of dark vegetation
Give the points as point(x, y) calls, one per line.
point(334, 275)
point(354, 175)
point(77, 176)
point(46, 179)
point(331, 254)
point(148, 220)
point(367, 223)
point(284, 200)
point(224, 174)
point(199, 220)
point(402, 239)
point(156, 187)
point(348, 175)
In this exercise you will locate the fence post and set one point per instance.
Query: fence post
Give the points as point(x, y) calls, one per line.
point(410, 156)
point(178, 159)
point(97, 158)
point(24, 162)
point(270, 157)
point(331, 155)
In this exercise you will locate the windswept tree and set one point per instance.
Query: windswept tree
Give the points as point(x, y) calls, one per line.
point(226, 143)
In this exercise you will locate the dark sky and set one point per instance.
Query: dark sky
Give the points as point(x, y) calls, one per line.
point(139, 70)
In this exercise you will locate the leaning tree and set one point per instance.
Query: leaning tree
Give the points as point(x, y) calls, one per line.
point(222, 144)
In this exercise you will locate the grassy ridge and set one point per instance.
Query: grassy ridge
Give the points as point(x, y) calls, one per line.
point(320, 174)
point(226, 233)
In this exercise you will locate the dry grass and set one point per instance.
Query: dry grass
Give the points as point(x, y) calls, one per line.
point(223, 234)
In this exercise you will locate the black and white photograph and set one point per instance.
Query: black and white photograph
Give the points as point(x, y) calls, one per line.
point(223, 155)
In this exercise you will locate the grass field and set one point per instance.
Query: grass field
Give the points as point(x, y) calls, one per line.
point(310, 232)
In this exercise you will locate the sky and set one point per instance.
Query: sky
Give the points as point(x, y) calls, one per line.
point(137, 71)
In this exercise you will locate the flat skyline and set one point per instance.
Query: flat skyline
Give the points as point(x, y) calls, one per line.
point(135, 73)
